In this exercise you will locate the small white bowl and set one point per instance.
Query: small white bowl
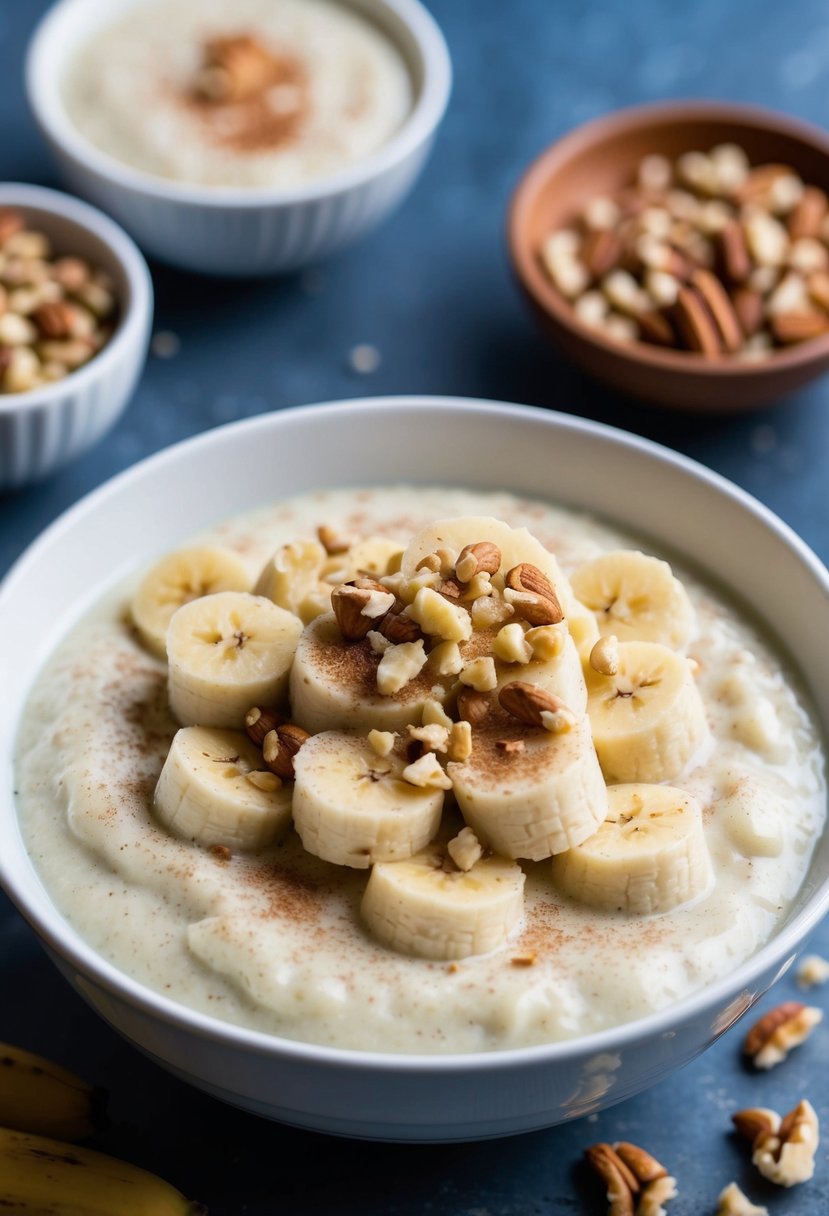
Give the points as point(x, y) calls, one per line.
point(638, 485)
point(42, 429)
point(244, 231)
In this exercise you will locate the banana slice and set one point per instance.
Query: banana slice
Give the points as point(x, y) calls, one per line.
point(227, 652)
point(214, 789)
point(527, 792)
point(636, 597)
point(177, 579)
point(648, 718)
point(428, 907)
point(353, 808)
point(333, 684)
point(300, 575)
point(649, 855)
point(516, 544)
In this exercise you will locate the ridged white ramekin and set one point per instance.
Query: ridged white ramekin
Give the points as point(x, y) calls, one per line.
point(244, 231)
point(44, 428)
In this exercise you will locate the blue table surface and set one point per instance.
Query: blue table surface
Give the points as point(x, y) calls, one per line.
point(432, 292)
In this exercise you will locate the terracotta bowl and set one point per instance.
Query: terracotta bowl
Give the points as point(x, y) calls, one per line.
point(600, 158)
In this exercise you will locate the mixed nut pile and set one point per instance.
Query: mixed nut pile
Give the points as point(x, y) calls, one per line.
point(55, 312)
point(708, 254)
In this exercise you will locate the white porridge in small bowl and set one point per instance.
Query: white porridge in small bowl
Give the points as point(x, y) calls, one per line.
point(258, 93)
point(348, 775)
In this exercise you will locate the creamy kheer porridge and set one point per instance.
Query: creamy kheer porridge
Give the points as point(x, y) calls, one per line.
point(257, 93)
point(469, 717)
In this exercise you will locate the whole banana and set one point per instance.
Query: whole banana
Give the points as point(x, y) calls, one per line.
point(40, 1176)
point(39, 1096)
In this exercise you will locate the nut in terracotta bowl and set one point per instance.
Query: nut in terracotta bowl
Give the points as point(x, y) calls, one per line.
point(670, 249)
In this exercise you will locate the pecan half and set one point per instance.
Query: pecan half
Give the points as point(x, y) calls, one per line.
point(621, 1183)
point(639, 1161)
point(770, 1040)
point(755, 1121)
point(787, 1156)
point(791, 327)
point(808, 214)
point(720, 307)
point(695, 323)
point(732, 252)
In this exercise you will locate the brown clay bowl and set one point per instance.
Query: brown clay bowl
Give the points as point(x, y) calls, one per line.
point(600, 158)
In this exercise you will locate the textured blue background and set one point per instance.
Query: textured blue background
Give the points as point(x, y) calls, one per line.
point(432, 291)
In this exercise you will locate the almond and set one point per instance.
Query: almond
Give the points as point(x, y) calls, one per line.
point(538, 603)
point(527, 702)
point(808, 214)
point(748, 305)
point(601, 252)
point(790, 327)
point(732, 252)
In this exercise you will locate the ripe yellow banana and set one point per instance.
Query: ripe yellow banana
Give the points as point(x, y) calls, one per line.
point(44, 1177)
point(39, 1096)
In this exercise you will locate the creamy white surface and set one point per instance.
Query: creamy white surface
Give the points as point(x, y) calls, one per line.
point(123, 89)
point(275, 942)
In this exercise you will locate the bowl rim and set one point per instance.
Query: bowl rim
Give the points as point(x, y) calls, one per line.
point(532, 277)
point(136, 308)
point(60, 937)
point(420, 123)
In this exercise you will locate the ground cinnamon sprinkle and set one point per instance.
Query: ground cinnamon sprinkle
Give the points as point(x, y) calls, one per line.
point(269, 116)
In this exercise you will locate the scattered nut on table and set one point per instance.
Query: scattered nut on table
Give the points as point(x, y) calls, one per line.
point(56, 311)
point(813, 970)
point(636, 1183)
point(770, 1039)
point(707, 254)
point(783, 1150)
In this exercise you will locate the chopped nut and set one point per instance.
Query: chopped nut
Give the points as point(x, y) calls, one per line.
point(358, 605)
point(546, 641)
point(732, 1202)
point(771, 1039)
point(21, 369)
point(427, 773)
point(511, 645)
point(447, 658)
point(268, 782)
point(16, 330)
point(465, 850)
point(480, 584)
point(787, 1156)
point(460, 741)
point(221, 852)
point(480, 674)
point(378, 642)
point(601, 212)
point(331, 541)
point(813, 970)
point(434, 737)
point(655, 1194)
point(510, 747)
point(482, 557)
point(234, 68)
point(767, 239)
point(397, 626)
point(399, 665)
point(260, 721)
point(437, 617)
point(381, 741)
point(604, 657)
point(528, 958)
point(434, 714)
point(490, 611)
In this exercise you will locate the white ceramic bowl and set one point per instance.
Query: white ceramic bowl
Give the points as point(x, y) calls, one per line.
point(436, 440)
point(45, 427)
point(219, 230)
